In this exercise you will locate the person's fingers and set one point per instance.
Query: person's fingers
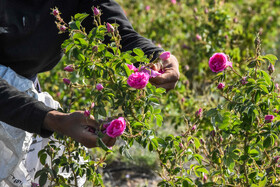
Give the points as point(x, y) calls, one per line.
point(168, 76)
point(109, 141)
point(167, 86)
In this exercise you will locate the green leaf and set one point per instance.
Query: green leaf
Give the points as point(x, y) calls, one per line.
point(138, 52)
point(257, 96)
point(266, 77)
point(268, 142)
point(212, 112)
point(161, 142)
point(103, 146)
point(151, 147)
point(75, 25)
point(202, 170)
point(271, 58)
point(80, 16)
point(264, 88)
point(196, 142)
point(159, 120)
point(263, 182)
point(43, 159)
point(43, 179)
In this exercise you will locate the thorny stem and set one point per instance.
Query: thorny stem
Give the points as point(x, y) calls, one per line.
point(245, 161)
point(233, 70)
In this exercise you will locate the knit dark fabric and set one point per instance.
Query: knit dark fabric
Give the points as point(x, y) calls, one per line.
point(30, 44)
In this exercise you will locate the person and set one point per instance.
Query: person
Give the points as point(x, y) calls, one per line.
point(30, 44)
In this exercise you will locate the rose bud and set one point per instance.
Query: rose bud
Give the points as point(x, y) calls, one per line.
point(87, 113)
point(69, 68)
point(165, 55)
point(92, 105)
point(110, 28)
point(96, 11)
point(213, 133)
point(202, 141)
point(55, 12)
point(206, 11)
point(95, 48)
point(181, 145)
point(173, 2)
point(62, 28)
point(268, 118)
point(198, 37)
point(204, 178)
point(147, 8)
point(66, 81)
point(198, 113)
point(270, 69)
point(99, 87)
point(221, 86)
point(243, 80)
point(193, 128)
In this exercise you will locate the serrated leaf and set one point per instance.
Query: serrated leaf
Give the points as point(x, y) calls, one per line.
point(138, 52)
point(80, 16)
point(264, 88)
point(271, 58)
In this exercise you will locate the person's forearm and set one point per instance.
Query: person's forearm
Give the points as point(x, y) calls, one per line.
point(113, 13)
point(22, 111)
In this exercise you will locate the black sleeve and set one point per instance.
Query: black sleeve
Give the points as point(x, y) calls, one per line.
point(113, 13)
point(22, 111)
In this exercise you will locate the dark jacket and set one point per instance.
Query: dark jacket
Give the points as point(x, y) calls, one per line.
point(30, 44)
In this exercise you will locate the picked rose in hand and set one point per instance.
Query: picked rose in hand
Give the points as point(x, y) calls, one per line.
point(218, 62)
point(116, 127)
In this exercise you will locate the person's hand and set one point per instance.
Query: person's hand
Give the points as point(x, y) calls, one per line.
point(76, 125)
point(170, 76)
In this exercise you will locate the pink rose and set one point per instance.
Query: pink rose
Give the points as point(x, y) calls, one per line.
point(268, 118)
point(96, 11)
point(218, 62)
point(165, 55)
point(66, 81)
point(99, 87)
point(150, 72)
point(138, 80)
point(116, 127)
point(69, 68)
point(173, 2)
point(221, 86)
point(132, 67)
point(110, 28)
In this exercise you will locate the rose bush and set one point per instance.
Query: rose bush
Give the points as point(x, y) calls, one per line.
point(228, 137)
